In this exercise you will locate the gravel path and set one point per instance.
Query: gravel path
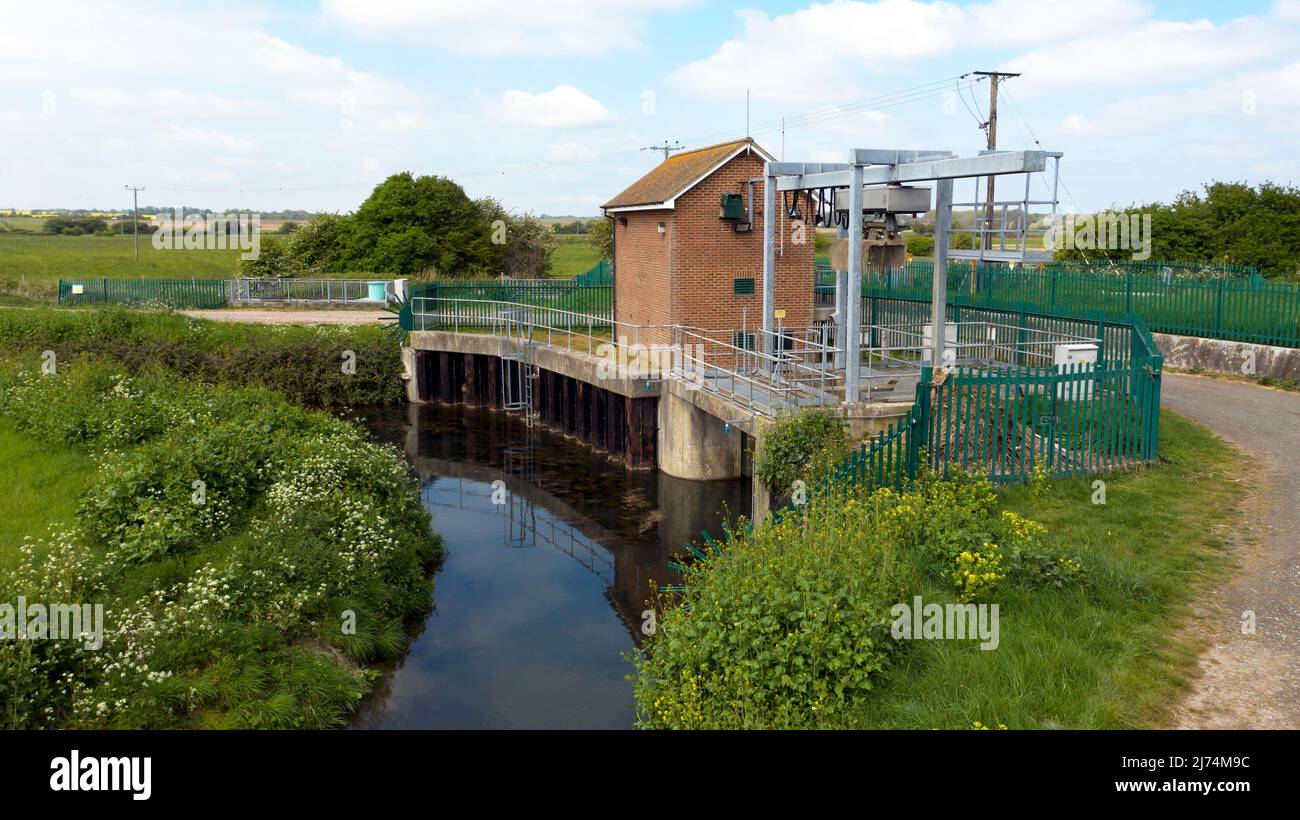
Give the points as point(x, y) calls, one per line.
point(1251, 681)
point(291, 317)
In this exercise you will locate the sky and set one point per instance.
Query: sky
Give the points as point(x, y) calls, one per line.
point(547, 105)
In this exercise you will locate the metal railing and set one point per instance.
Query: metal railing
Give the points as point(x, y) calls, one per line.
point(376, 292)
point(589, 296)
point(713, 360)
point(218, 293)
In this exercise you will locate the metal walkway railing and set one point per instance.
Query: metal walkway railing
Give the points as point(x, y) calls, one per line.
point(805, 369)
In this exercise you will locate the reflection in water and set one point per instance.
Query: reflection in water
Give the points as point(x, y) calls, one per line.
point(546, 572)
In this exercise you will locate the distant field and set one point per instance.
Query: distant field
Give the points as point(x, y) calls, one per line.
point(572, 256)
point(26, 223)
point(31, 265)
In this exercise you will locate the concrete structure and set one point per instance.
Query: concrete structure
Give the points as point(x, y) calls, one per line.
point(666, 424)
point(1222, 356)
point(680, 259)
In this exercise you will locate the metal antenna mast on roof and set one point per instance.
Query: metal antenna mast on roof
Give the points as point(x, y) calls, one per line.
point(666, 147)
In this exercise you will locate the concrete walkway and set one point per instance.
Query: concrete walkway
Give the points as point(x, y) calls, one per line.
point(1251, 681)
point(262, 316)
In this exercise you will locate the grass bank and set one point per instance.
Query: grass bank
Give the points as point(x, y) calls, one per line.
point(251, 556)
point(309, 365)
point(1091, 601)
point(41, 488)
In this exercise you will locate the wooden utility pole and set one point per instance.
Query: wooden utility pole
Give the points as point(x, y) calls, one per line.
point(135, 216)
point(992, 125)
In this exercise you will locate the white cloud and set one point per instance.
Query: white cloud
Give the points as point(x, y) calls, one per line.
point(568, 152)
point(171, 100)
point(494, 28)
point(198, 138)
point(200, 93)
point(785, 58)
point(327, 82)
point(1158, 52)
point(1287, 10)
point(562, 107)
point(1077, 125)
point(1265, 101)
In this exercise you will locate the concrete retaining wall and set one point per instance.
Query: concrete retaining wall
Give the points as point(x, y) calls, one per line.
point(1238, 358)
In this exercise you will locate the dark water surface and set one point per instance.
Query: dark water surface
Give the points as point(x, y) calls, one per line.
point(540, 596)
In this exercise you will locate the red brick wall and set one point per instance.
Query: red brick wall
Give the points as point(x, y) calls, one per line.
point(708, 254)
point(643, 265)
point(685, 276)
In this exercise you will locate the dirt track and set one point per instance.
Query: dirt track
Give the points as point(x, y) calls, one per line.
point(291, 317)
point(1251, 681)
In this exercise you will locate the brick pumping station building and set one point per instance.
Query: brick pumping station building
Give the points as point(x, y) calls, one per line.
point(686, 251)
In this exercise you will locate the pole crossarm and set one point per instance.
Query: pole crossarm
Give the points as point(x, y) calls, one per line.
point(919, 170)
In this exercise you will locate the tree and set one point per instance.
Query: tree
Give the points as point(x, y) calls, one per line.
point(528, 247)
point(273, 259)
point(411, 225)
point(1229, 222)
point(602, 237)
point(316, 247)
point(525, 241)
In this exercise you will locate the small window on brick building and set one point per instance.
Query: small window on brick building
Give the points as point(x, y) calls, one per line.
point(744, 341)
point(743, 286)
point(663, 228)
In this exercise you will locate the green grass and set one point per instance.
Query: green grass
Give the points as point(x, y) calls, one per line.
point(1113, 653)
point(32, 265)
point(43, 485)
point(22, 223)
point(573, 255)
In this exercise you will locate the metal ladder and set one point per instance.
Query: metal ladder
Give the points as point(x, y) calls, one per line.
point(518, 369)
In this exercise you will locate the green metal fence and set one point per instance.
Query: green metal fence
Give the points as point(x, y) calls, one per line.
point(601, 273)
point(1233, 304)
point(180, 293)
point(466, 303)
point(1018, 422)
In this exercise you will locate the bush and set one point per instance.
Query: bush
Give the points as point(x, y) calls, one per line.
point(919, 245)
point(226, 610)
point(303, 363)
point(75, 227)
point(802, 447)
point(789, 627)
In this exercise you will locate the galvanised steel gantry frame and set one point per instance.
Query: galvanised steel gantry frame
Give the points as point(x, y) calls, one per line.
point(882, 167)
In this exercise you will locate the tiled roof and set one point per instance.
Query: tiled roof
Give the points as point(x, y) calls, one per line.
point(679, 172)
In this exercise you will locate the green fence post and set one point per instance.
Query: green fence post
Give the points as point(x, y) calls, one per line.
point(921, 429)
point(1218, 310)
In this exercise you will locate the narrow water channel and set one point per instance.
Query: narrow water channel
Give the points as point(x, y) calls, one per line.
point(541, 594)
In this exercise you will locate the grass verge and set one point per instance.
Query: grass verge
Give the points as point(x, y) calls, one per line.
point(1092, 601)
point(41, 488)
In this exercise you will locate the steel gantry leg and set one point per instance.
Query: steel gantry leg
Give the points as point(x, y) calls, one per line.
point(939, 292)
point(853, 302)
point(769, 261)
